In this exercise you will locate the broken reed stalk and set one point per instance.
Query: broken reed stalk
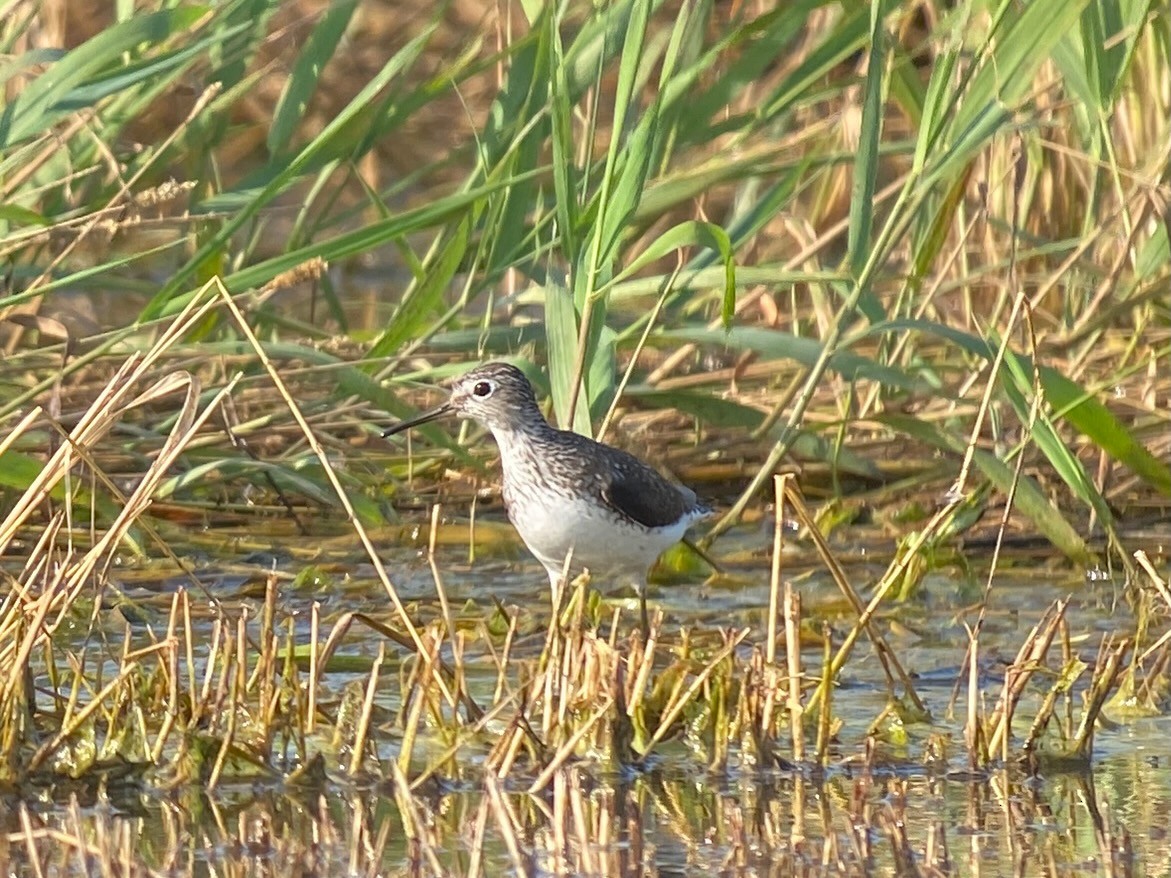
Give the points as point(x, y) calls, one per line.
point(1069, 661)
point(171, 669)
point(264, 675)
point(1163, 588)
point(791, 612)
point(314, 673)
point(823, 695)
point(1161, 585)
point(232, 674)
point(415, 827)
point(478, 838)
point(793, 650)
point(779, 484)
point(437, 578)
point(415, 697)
point(363, 732)
point(973, 728)
point(290, 685)
point(1041, 718)
point(506, 824)
point(640, 666)
point(1017, 676)
point(1106, 672)
point(502, 662)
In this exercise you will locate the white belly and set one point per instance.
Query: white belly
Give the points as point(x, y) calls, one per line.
point(552, 526)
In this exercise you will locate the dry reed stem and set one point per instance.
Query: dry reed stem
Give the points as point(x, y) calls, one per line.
point(19, 429)
point(416, 697)
point(233, 677)
point(117, 396)
point(677, 704)
point(506, 822)
point(793, 650)
point(214, 652)
point(264, 672)
point(30, 841)
point(641, 661)
point(890, 664)
point(314, 634)
point(476, 842)
point(363, 730)
point(557, 822)
point(503, 661)
point(1106, 671)
point(415, 827)
point(779, 483)
point(1041, 718)
point(327, 466)
point(171, 671)
point(1160, 584)
point(507, 750)
point(973, 729)
point(565, 752)
point(823, 697)
point(1028, 659)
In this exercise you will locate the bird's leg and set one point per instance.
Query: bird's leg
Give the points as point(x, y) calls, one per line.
point(643, 618)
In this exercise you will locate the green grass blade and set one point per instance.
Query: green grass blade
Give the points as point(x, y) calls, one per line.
point(565, 177)
point(296, 166)
point(302, 82)
point(51, 96)
point(782, 346)
point(866, 162)
point(1069, 400)
point(1020, 42)
point(423, 298)
point(1030, 499)
point(561, 343)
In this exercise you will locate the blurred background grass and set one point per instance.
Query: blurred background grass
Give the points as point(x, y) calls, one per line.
point(905, 241)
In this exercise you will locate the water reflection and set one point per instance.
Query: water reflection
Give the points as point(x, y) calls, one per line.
point(656, 824)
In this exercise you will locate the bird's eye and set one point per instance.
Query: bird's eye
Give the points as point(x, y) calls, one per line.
point(482, 389)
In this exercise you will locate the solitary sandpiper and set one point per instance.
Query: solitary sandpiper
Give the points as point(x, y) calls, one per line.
point(567, 495)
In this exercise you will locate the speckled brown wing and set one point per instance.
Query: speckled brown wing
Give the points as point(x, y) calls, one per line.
point(638, 493)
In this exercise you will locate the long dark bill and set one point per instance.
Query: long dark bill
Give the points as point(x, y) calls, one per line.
point(421, 419)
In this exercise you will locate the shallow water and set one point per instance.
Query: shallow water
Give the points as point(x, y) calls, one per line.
point(672, 821)
point(900, 801)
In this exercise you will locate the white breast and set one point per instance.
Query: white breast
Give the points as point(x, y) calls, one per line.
point(551, 525)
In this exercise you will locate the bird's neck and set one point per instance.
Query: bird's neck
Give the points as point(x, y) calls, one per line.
point(521, 432)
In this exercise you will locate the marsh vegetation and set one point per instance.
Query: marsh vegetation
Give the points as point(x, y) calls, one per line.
point(886, 282)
